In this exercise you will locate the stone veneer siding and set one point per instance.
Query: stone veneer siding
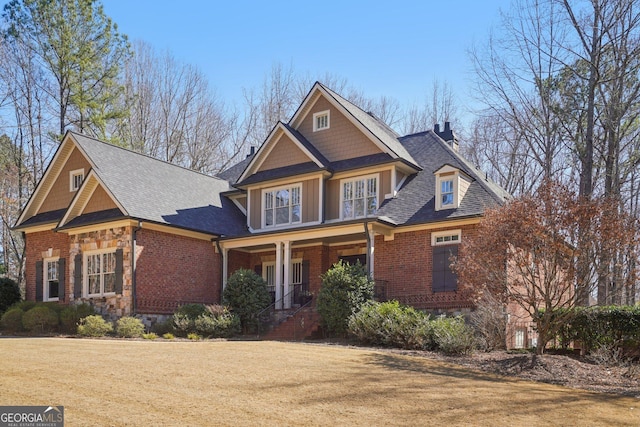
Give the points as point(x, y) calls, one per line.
point(111, 238)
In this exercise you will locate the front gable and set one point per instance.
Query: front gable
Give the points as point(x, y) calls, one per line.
point(342, 139)
point(92, 197)
point(56, 188)
point(284, 151)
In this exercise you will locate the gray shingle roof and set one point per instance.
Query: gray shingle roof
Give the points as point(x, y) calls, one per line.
point(153, 190)
point(415, 201)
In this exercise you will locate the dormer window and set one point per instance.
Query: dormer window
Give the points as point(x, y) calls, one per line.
point(75, 179)
point(446, 192)
point(321, 120)
point(451, 186)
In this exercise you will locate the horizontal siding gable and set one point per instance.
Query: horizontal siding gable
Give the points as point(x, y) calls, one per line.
point(343, 140)
point(59, 195)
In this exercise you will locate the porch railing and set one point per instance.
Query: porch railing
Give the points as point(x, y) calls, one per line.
point(299, 298)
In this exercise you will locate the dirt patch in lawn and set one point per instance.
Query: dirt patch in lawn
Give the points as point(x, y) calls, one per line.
point(127, 382)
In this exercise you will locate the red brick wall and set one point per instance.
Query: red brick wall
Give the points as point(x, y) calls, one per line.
point(36, 243)
point(406, 263)
point(172, 269)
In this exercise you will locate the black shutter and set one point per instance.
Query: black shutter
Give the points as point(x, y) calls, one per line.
point(444, 279)
point(258, 269)
point(39, 282)
point(119, 271)
point(61, 278)
point(77, 277)
point(450, 277)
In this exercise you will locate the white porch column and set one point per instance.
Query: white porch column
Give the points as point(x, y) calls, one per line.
point(287, 275)
point(278, 278)
point(225, 267)
point(371, 247)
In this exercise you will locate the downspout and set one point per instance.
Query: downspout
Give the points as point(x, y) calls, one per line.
point(134, 240)
point(217, 240)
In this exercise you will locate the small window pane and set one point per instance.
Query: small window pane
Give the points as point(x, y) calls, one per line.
point(295, 213)
point(282, 215)
point(359, 207)
point(347, 209)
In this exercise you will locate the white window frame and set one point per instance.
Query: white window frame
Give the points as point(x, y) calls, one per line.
point(73, 185)
point(45, 277)
point(364, 178)
point(85, 272)
point(440, 179)
point(319, 115)
point(449, 237)
point(264, 207)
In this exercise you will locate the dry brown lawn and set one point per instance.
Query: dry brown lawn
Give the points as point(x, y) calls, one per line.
point(211, 383)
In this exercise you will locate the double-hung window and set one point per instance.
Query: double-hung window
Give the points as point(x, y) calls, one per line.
point(359, 197)
point(51, 279)
point(100, 277)
point(282, 206)
point(446, 192)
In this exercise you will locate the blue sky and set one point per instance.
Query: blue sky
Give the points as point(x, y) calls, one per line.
point(394, 48)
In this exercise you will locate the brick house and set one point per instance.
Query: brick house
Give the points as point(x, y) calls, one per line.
point(133, 235)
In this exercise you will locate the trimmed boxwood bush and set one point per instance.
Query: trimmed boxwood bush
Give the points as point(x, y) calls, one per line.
point(345, 288)
point(129, 327)
point(9, 293)
point(11, 320)
point(94, 326)
point(40, 319)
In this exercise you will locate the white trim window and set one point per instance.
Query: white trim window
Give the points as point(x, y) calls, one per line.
point(51, 276)
point(321, 120)
point(359, 197)
point(448, 237)
point(282, 206)
point(100, 273)
point(75, 179)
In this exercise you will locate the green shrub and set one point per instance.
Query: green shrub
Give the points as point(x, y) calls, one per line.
point(217, 322)
point(192, 311)
point(183, 319)
point(345, 288)
point(94, 326)
point(71, 315)
point(162, 328)
point(40, 319)
point(453, 336)
point(129, 327)
point(168, 336)
point(11, 320)
point(9, 293)
point(25, 305)
point(247, 295)
point(194, 337)
point(150, 336)
point(391, 324)
point(599, 326)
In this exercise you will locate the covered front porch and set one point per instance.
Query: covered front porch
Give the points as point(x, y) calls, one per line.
point(303, 254)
